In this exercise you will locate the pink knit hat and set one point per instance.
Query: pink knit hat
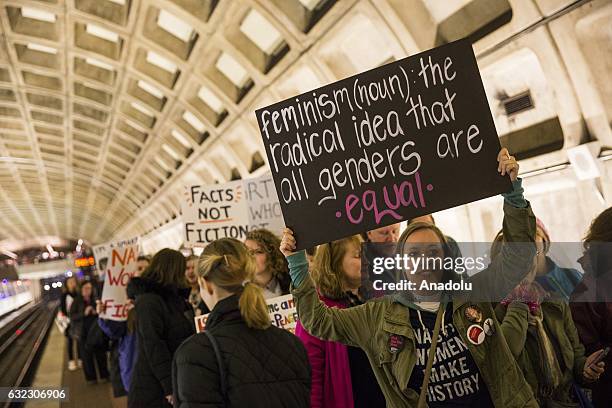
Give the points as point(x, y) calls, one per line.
point(540, 225)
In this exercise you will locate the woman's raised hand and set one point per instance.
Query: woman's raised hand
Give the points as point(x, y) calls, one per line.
point(287, 246)
point(507, 164)
point(100, 307)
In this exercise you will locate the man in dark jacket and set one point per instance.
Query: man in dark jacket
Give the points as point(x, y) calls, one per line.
point(264, 368)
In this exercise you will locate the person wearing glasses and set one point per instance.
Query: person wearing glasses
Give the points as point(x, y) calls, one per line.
point(272, 274)
point(426, 347)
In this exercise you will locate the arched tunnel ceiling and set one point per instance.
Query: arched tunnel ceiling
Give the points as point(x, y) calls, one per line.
point(108, 107)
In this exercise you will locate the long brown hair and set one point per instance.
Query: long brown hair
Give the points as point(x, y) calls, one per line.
point(270, 243)
point(327, 270)
point(167, 268)
point(227, 263)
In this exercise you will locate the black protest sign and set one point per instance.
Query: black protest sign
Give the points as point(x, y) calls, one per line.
point(406, 139)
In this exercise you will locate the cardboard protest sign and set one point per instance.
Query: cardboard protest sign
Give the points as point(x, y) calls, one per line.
point(264, 208)
point(101, 253)
point(122, 264)
point(200, 322)
point(282, 310)
point(405, 139)
point(230, 210)
point(213, 212)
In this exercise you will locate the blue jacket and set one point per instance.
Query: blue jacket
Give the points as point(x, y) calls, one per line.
point(127, 347)
point(559, 282)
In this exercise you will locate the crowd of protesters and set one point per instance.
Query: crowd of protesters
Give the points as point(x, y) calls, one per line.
point(544, 342)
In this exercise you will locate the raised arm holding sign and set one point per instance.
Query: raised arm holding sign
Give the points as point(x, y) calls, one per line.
point(383, 146)
point(121, 266)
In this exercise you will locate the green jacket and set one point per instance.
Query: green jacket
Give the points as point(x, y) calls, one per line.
point(560, 327)
point(370, 326)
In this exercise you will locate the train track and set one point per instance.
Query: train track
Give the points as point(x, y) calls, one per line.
point(21, 345)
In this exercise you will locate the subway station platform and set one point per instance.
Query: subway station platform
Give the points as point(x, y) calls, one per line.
point(53, 370)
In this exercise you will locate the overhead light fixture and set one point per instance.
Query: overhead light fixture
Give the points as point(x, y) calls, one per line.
point(232, 69)
point(8, 253)
point(161, 62)
point(310, 4)
point(41, 48)
point(175, 26)
point(583, 162)
point(212, 100)
point(141, 109)
point(102, 33)
point(162, 164)
point(99, 64)
point(194, 121)
point(147, 87)
point(171, 152)
point(52, 252)
point(135, 126)
point(37, 14)
point(261, 32)
point(119, 2)
point(182, 139)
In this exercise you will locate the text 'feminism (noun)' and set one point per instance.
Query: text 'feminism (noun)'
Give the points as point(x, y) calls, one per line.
point(400, 158)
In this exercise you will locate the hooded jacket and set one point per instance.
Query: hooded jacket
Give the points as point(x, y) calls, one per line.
point(264, 368)
point(373, 325)
point(163, 320)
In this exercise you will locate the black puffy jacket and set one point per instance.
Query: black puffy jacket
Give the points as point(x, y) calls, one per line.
point(163, 320)
point(264, 368)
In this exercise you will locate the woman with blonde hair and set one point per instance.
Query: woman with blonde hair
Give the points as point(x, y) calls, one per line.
point(341, 375)
point(240, 359)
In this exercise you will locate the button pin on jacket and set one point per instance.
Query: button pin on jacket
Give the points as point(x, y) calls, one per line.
point(473, 314)
point(476, 334)
point(396, 343)
point(489, 327)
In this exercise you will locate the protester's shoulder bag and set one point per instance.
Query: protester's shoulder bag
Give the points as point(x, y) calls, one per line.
point(222, 376)
point(422, 402)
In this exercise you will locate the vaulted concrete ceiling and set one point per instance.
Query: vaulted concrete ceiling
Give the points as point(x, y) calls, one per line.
point(103, 101)
point(109, 107)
